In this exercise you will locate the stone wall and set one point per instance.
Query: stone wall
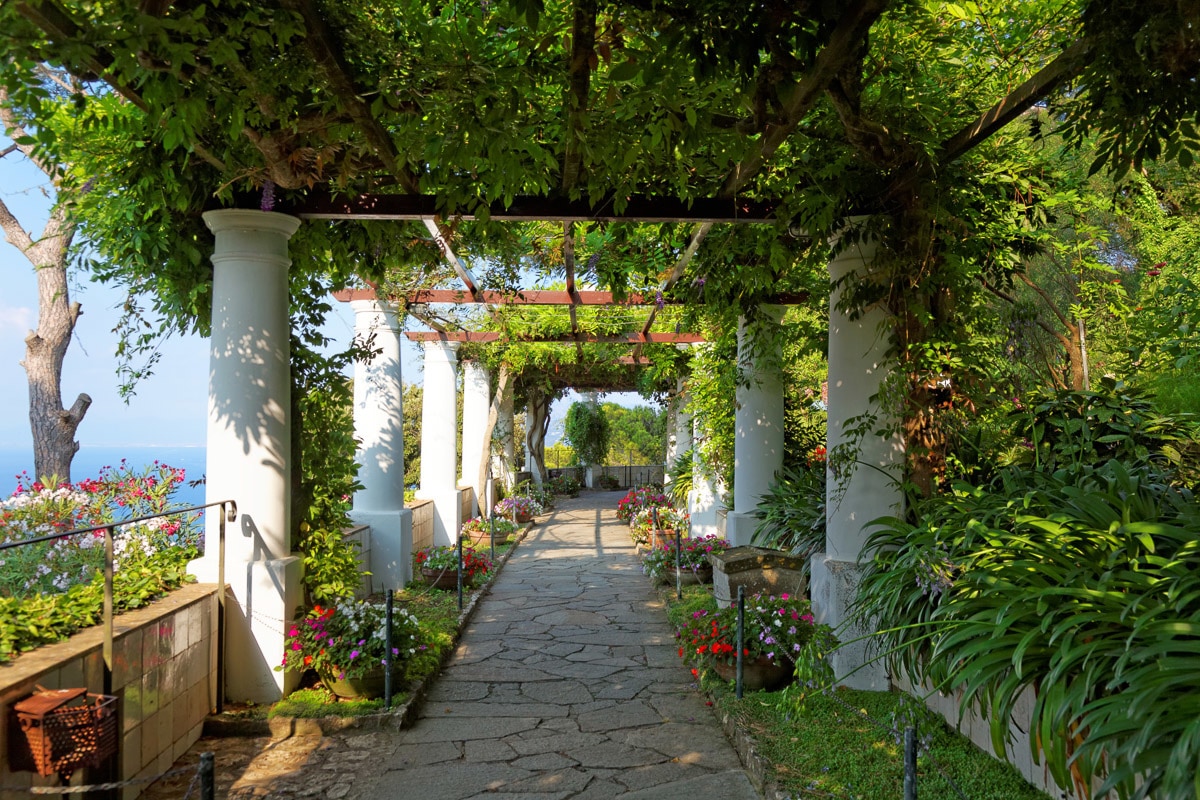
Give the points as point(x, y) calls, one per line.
point(422, 523)
point(164, 676)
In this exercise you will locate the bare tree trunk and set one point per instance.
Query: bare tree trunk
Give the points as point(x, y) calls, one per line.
point(503, 389)
point(537, 421)
point(53, 426)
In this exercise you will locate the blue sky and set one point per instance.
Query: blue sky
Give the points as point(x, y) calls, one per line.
point(169, 407)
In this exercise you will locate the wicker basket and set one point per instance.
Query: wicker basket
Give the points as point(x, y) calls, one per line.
point(65, 730)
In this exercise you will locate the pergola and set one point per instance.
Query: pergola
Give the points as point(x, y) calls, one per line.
point(347, 113)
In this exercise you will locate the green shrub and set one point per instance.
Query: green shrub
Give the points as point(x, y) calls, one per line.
point(1085, 586)
point(792, 513)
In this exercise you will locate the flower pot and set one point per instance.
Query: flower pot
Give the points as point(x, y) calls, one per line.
point(688, 576)
point(661, 538)
point(759, 674)
point(523, 517)
point(367, 686)
point(441, 579)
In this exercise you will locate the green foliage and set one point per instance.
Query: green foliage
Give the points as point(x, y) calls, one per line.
point(1079, 584)
point(679, 477)
point(413, 397)
point(324, 439)
point(792, 512)
point(565, 484)
point(586, 430)
point(637, 435)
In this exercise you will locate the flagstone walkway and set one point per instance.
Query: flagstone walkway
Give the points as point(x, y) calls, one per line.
point(566, 684)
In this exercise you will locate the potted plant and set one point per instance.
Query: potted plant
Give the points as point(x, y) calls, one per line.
point(659, 563)
point(345, 645)
point(479, 530)
point(522, 506)
point(778, 628)
point(637, 499)
point(438, 565)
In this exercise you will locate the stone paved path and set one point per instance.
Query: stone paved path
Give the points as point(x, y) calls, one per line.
point(566, 685)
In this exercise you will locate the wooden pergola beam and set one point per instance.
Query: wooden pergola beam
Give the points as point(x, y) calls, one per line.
point(540, 297)
point(497, 336)
point(533, 209)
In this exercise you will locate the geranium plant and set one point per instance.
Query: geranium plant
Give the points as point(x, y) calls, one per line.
point(348, 640)
point(777, 629)
point(637, 499)
point(445, 557)
point(693, 556)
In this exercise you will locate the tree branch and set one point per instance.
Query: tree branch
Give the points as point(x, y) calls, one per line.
point(328, 56)
point(14, 234)
point(583, 50)
point(840, 49)
point(1068, 63)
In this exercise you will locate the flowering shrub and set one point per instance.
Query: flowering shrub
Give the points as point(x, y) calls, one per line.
point(693, 554)
point(777, 628)
point(637, 499)
point(445, 557)
point(523, 505)
point(479, 526)
point(565, 485)
point(38, 509)
point(348, 640)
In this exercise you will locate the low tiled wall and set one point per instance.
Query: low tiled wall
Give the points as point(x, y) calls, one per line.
point(422, 523)
point(164, 674)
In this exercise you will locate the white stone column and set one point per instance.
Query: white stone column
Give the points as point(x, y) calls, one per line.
point(439, 440)
point(867, 489)
point(249, 454)
point(379, 428)
point(704, 504)
point(477, 402)
point(681, 439)
point(758, 417)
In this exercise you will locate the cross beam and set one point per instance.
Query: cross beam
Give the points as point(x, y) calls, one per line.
point(532, 209)
point(496, 336)
point(542, 297)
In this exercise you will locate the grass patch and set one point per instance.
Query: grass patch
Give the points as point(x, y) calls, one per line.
point(319, 702)
point(829, 747)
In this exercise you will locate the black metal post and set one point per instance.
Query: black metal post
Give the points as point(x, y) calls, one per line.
point(910, 764)
point(460, 568)
point(228, 512)
point(208, 776)
point(108, 609)
point(387, 650)
point(741, 631)
point(490, 492)
point(678, 565)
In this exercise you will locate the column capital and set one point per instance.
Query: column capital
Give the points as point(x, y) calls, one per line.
point(386, 307)
point(248, 219)
point(448, 351)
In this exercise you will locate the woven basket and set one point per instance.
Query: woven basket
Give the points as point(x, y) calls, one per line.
point(65, 730)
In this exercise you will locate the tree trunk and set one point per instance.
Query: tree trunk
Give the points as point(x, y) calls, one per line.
point(53, 426)
point(537, 421)
point(503, 390)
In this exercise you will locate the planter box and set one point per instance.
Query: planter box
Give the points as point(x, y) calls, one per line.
point(757, 569)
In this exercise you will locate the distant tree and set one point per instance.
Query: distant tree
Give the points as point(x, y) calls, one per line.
point(586, 430)
point(413, 395)
point(638, 433)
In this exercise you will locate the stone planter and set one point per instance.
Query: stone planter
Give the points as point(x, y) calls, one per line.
point(758, 675)
point(758, 570)
point(368, 686)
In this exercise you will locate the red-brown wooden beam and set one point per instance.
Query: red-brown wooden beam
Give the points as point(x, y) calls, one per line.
point(496, 336)
point(531, 209)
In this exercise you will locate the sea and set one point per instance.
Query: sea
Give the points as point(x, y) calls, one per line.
point(90, 460)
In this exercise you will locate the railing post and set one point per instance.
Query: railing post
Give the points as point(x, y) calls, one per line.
point(741, 629)
point(460, 570)
point(108, 609)
point(228, 512)
point(387, 650)
point(910, 764)
point(208, 775)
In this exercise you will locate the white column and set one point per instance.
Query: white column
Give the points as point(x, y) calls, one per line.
point(866, 489)
point(379, 428)
point(477, 402)
point(249, 457)
point(704, 505)
point(681, 439)
point(439, 440)
point(758, 417)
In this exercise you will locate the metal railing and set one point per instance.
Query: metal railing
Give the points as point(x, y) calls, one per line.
point(228, 514)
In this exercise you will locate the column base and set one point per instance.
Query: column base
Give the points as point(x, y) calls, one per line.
point(834, 587)
point(391, 547)
point(266, 595)
point(740, 527)
point(447, 515)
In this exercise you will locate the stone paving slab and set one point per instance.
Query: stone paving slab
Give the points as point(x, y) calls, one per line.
point(565, 686)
